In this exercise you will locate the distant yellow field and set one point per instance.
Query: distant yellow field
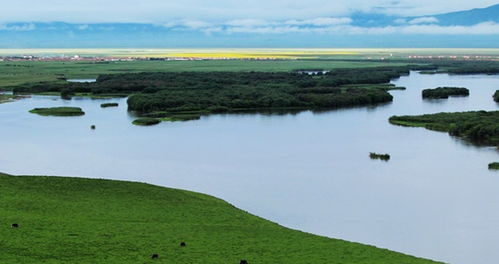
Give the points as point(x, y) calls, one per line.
point(247, 53)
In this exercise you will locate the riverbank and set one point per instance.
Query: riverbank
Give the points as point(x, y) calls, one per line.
point(76, 220)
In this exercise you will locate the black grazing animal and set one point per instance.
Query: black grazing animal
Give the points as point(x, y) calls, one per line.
point(155, 256)
point(243, 262)
point(182, 244)
point(14, 225)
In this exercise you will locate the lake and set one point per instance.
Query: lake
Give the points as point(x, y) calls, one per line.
point(310, 171)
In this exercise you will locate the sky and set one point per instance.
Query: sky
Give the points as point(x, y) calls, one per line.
point(164, 11)
point(255, 23)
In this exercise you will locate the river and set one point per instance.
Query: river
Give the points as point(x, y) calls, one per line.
point(310, 171)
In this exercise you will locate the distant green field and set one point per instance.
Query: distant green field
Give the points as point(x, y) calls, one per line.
point(75, 220)
point(15, 73)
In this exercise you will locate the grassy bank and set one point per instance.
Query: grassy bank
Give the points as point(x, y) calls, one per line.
point(74, 220)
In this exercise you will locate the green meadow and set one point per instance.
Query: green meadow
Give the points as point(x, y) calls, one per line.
point(76, 220)
point(15, 73)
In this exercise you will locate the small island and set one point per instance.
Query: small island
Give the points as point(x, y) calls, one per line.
point(376, 156)
point(480, 127)
point(444, 92)
point(146, 121)
point(496, 96)
point(494, 166)
point(58, 111)
point(109, 105)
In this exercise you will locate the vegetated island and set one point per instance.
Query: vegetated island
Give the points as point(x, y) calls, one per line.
point(105, 105)
point(494, 166)
point(376, 156)
point(496, 96)
point(58, 111)
point(166, 95)
point(480, 127)
point(444, 92)
point(146, 121)
point(77, 220)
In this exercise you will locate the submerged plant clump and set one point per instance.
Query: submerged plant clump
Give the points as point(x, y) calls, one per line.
point(109, 105)
point(58, 111)
point(376, 156)
point(494, 166)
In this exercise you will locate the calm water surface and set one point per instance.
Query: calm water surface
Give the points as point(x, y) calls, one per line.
point(310, 171)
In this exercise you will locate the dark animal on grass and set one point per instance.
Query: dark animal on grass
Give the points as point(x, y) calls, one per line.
point(14, 225)
point(243, 262)
point(155, 256)
point(182, 244)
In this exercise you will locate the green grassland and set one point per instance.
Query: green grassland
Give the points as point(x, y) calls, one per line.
point(76, 220)
point(16, 73)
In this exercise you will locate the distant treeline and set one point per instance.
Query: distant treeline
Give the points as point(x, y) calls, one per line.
point(463, 66)
point(232, 91)
point(445, 92)
point(479, 127)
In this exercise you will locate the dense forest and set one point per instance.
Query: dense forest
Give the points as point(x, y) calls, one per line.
point(444, 92)
point(205, 92)
point(479, 127)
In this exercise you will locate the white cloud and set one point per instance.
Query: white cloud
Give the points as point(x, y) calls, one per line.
point(247, 23)
point(423, 20)
point(18, 27)
point(321, 21)
point(190, 24)
point(487, 28)
point(83, 27)
point(213, 11)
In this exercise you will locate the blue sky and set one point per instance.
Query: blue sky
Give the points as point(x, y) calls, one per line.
point(164, 11)
point(255, 23)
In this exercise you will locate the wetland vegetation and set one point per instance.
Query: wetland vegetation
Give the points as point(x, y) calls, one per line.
point(480, 127)
point(58, 111)
point(377, 156)
point(146, 121)
point(494, 166)
point(444, 92)
point(105, 105)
